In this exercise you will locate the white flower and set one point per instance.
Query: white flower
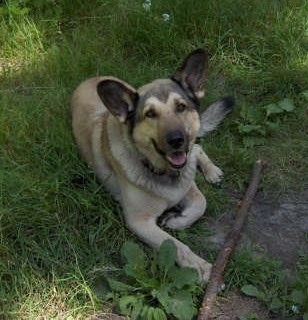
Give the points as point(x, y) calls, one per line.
point(147, 5)
point(166, 16)
point(295, 309)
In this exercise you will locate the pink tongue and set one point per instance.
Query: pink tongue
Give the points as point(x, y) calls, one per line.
point(178, 159)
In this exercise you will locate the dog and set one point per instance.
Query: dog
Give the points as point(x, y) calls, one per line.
point(142, 146)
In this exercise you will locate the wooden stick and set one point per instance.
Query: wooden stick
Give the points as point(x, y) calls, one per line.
point(216, 277)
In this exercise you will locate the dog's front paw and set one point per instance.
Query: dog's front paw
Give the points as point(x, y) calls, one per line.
point(177, 223)
point(213, 174)
point(186, 258)
point(205, 271)
point(171, 214)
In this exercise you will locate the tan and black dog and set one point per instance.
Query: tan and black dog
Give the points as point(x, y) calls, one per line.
point(141, 144)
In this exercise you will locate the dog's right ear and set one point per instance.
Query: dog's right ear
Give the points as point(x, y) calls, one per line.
point(118, 97)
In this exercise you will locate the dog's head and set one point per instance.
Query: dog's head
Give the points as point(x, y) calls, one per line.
point(162, 116)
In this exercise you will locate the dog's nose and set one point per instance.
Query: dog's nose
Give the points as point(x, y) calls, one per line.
point(175, 139)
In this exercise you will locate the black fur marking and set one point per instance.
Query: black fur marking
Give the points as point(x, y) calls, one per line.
point(169, 213)
point(132, 115)
point(229, 102)
point(190, 95)
point(159, 151)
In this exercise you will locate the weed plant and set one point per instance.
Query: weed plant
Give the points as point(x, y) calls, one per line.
point(58, 228)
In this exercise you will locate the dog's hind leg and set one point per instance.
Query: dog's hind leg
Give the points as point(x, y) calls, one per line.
point(193, 206)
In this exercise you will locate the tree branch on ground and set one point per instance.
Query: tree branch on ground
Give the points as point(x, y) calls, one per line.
point(216, 277)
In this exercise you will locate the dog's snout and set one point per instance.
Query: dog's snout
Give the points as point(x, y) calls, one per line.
point(175, 139)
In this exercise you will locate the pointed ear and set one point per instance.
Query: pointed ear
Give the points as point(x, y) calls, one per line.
point(118, 97)
point(192, 73)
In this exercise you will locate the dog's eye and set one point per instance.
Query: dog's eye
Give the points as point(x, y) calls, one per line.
point(151, 114)
point(181, 107)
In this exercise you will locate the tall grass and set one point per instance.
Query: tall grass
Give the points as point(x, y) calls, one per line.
point(58, 229)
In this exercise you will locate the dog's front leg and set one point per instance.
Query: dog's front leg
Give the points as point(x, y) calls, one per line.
point(192, 208)
point(146, 229)
point(212, 173)
point(141, 211)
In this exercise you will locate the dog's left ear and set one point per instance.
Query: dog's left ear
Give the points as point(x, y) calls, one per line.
point(118, 97)
point(191, 75)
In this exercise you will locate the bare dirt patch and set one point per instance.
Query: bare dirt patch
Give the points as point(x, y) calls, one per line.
point(279, 226)
point(238, 306)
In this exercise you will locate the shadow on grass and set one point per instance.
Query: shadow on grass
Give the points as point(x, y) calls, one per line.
point(58, 228)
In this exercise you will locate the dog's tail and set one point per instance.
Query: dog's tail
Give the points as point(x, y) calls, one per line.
point(214, 114)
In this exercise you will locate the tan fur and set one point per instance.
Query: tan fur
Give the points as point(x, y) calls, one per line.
point(130, 167)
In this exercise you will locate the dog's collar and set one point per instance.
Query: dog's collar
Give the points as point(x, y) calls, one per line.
point(147, 164)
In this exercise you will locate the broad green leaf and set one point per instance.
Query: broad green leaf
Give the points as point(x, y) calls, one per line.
point(254, 114)
point(276, 304)
point(144, 314)
point(167, 255)
point(177, 302)
point(130, 305)
point(119, 286)
point(305, 94)
point(151, 313)
point(133, 253)
point(286, 105)
point(126, 304)
point(248, 128)
point(159, 314)
point(272, 125)
point(101, 287)
point(272, 108)
point(138, 273)
point(184, 276)
point(136, 262)
point(305, 316)
point(162, 294)
point(251, 113)
point(137, 309)
point(181, 305)
point(250, 290)
point(298, 297)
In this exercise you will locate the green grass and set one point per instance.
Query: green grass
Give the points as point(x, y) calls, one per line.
point(58, 229)
point(278, 290)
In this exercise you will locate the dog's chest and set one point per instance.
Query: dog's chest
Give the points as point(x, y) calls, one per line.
point(170, 188)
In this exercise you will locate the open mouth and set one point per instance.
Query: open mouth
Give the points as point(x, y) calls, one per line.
point(177, 159)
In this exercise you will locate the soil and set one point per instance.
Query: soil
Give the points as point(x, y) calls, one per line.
point(238, 306)
point(280, 228)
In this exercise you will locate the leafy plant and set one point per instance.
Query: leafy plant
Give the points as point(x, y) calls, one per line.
point(154, 289)
point(259, 122)
point(293, 300)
